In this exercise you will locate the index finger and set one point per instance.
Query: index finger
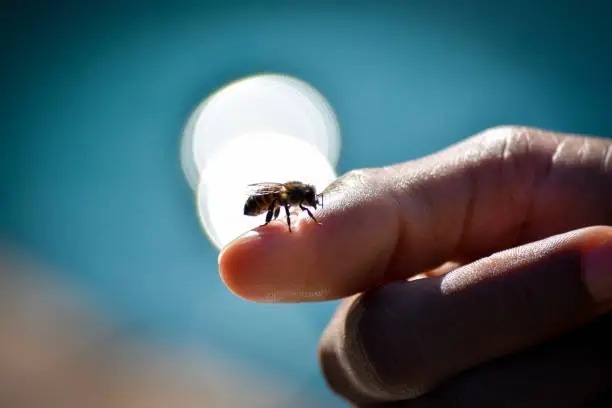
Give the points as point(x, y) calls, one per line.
point(502, 188)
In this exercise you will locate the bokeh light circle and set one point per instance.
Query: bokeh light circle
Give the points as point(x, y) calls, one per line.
point(253, 158)
point(268, 102)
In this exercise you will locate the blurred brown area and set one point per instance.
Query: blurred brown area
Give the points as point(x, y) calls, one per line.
point(57, 351)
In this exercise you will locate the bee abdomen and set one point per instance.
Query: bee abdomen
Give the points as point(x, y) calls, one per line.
point(256, 205)
point(250, 206)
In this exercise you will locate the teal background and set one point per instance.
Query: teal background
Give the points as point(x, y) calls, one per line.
point(94, 99)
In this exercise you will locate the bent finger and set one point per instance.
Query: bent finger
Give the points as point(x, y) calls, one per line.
point(404, 339)
point(574, 370)
point(494, 191)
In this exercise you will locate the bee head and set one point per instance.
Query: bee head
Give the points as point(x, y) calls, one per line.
point(311, 197)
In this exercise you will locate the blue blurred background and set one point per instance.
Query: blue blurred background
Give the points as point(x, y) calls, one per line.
point(94, 99)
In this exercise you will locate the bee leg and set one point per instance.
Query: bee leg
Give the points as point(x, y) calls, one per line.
point(276, 212)
point(271, 211)
point(309, 213)
point(269, 216)
point(288, 217)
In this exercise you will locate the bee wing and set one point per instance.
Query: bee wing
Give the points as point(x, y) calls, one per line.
point(264, 188)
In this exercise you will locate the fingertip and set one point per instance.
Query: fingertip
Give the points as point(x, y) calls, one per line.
point(597, 265)
point(229, 261)
point(273, 264)
point(343, 254)
point(241, 260)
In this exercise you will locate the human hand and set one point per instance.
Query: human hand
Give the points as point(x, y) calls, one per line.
point(507, 229)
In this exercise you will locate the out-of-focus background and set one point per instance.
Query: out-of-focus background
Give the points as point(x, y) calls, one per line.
point(109, 287)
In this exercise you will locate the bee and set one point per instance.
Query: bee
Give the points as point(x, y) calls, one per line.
point(270, 197)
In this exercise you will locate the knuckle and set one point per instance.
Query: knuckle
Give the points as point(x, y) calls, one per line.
point(505, 140)
point(501, 132)
point(357, 176)
point(508, 142)
point(362, 182)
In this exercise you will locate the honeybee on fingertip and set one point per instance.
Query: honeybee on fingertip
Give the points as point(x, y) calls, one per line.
point(271, 197)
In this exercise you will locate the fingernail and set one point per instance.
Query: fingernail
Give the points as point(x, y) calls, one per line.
point(598, 272)
point(246, 235)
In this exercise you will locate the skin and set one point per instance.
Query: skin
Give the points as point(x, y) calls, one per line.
point(478, 276)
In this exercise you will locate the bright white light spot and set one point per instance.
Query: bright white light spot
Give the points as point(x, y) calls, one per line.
point(253, 158)
point(192, 173)
point(270, 102)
